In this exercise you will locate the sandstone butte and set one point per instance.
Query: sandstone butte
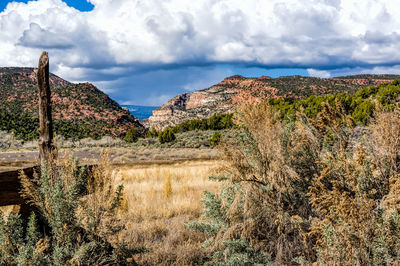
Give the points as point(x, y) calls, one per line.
point(225, 96)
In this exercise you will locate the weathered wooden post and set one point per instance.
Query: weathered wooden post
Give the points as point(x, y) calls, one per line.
point(10, 184)
point(47, 150)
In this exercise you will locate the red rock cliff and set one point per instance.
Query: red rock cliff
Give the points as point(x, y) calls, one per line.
point(225, 96)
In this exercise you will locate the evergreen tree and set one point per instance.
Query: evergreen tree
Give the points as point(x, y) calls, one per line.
point(167, 135)
point(131, 135)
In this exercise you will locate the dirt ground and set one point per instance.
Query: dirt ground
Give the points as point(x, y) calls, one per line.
point(117, 156)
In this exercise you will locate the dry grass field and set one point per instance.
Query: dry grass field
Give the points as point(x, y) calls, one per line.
point(159, 200)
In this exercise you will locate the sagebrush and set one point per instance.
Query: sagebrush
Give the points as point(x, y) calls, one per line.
point(75, 229)
point(307, 190)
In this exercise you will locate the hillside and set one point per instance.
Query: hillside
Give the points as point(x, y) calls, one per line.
point(79, 110)
point(233, 91)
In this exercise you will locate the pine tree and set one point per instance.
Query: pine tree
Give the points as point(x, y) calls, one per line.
point(167, 135)
point(131, 135)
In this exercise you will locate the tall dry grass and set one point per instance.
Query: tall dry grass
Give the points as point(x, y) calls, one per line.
point(6, 210)
point(158, 201)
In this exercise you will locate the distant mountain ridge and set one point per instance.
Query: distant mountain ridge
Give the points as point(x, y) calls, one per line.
point(79, 110)
point(140, 111)
point(225, 96)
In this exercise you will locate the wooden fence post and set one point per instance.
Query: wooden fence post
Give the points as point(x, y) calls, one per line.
point(47, 151)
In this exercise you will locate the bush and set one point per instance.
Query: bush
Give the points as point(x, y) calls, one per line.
point(167, 135)
point(215, 139)
point(363, 112)
point(80, 229)
point(215, 122)
point(152, 133)
point(270, 166)
point(307, 190)
point(226, 251)
point(131, 135)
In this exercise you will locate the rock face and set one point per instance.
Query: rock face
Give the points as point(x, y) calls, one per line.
point(77, 108)
point(225, 96)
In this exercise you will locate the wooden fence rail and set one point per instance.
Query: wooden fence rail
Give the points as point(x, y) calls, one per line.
point(10, 186)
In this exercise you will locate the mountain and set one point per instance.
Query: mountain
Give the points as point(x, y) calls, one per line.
point(79, 110)
point(225, 96)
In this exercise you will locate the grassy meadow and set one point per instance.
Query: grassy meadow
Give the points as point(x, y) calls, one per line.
point(158, 201)
point(165, 191)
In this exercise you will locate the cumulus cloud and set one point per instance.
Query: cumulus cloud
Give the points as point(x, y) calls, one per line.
point(120, 37)
point(318, 73)
point(37, 37)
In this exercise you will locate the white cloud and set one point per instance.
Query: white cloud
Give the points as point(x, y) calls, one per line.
point(272, 32)
point(37, 37)
point(151, 34)
point(372, 70)
point(318, 73)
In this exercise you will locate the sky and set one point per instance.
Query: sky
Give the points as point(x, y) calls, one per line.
point(144, 52)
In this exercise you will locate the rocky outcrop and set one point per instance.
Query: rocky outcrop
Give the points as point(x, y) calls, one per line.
point(225, 96)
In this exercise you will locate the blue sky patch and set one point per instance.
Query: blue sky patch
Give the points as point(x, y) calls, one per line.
point(81, 5)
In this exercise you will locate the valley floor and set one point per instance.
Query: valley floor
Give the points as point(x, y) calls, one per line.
point(117, 156)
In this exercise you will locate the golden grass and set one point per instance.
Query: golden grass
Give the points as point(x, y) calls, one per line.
point(158, 200)
point(6, 210)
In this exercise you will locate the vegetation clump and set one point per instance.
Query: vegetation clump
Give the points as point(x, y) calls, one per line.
point(152, 133)
point(215, 139)
point(360, 106)
point(215, 122)
point(131, 135)
point(79, 230)
point(167, 135)
point(318, 186)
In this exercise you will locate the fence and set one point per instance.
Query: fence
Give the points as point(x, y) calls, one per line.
point(10, 185)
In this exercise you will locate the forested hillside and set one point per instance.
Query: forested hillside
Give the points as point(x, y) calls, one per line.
point(79, 110)
point(360, 105)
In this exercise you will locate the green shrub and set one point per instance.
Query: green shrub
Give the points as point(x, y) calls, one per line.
point(152, 133)
point(363, 112)
point(216, 223)
point(215, 139)
point(215, 122)
point(80, 230)
point(167, 135)
point(131, 135)
point(240, 252)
